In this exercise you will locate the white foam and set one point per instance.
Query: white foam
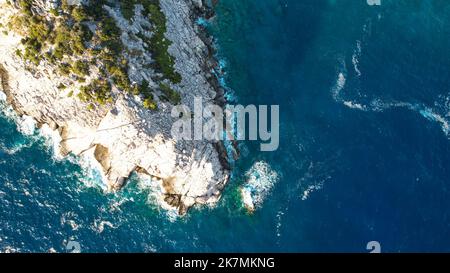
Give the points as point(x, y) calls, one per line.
point(355, 58)
point(26, 125)
point(2, 96)
point(430, 115)
point(99, 225)
point(354, 105)
point(378, 105)
point(9, 249)
point(260, 181)
point(279, 222)
point(309, 190)
point(52, 139)
point(340, 84)
point(154, 191)
point(16, 148)
point(92, 174)
point(68, 218)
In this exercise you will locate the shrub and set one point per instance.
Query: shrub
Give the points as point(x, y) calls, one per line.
point(95, 9)
point(62, 35)
point(64, 69)
point(144, 89)
point(54, 12)
point(169, 94)
point(79, 14)
point(32, 50)
point(86, 33)
point(66, 7)
point(158, 44)
point(122, 81)
point(81, 79)
point(26, 6)
point(77, 43)
point(127, 7)
point(39, 29)
point(80, 68)
point(149, 104)
point(69, 34)
point(98, 91)
point(108, 29)
point(50, 57)
point(58, 53)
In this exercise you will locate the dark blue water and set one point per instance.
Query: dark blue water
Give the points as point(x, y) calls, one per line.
point(364, 148)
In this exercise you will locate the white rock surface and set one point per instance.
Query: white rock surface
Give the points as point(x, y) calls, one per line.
point(124, 137)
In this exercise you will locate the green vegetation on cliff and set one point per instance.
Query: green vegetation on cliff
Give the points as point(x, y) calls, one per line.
point(158, 44)
point(75, 37)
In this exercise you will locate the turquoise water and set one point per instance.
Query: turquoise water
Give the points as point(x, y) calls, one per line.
point(364, 148)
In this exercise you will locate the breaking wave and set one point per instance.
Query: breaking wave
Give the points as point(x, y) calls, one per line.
point(341, 80)
point(379, 105)
point(260, 181)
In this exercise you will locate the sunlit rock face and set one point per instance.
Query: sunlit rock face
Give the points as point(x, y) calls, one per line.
point(123, 136)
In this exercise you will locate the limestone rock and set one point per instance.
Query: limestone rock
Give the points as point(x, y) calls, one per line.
point(124, 137)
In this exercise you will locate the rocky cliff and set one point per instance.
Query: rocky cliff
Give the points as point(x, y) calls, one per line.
point(124, 135)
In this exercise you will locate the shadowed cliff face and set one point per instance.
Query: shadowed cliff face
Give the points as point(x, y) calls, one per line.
point(122, 135)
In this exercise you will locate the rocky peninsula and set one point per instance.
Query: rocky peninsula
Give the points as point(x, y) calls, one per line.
point(105, 75)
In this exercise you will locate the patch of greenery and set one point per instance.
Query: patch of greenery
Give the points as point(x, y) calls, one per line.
point(158, 45)
point(26, 6)
point(150, 104)
point(127, 7)
point(64, 69)
point(98, 91)
point(169, 94)
point(65, 34)
point(86, 33)
point(32, 50)
point(80, 68)
point(37, 33)
point(145, 90)
point(95, 9)
point(79, 14)
point(119, 75)
point(54, 12)
point(66, 7)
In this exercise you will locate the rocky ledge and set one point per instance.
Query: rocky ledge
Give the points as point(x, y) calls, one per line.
point(122, 135)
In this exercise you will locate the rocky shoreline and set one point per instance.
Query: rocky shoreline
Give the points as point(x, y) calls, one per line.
point(212, 65)
point(123, 137)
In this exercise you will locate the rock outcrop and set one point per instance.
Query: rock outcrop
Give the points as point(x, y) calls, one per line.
point(124, 136)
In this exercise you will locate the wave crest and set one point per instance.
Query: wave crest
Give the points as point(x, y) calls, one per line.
point(260, 181)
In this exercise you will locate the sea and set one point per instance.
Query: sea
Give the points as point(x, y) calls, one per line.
point(363, 89)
